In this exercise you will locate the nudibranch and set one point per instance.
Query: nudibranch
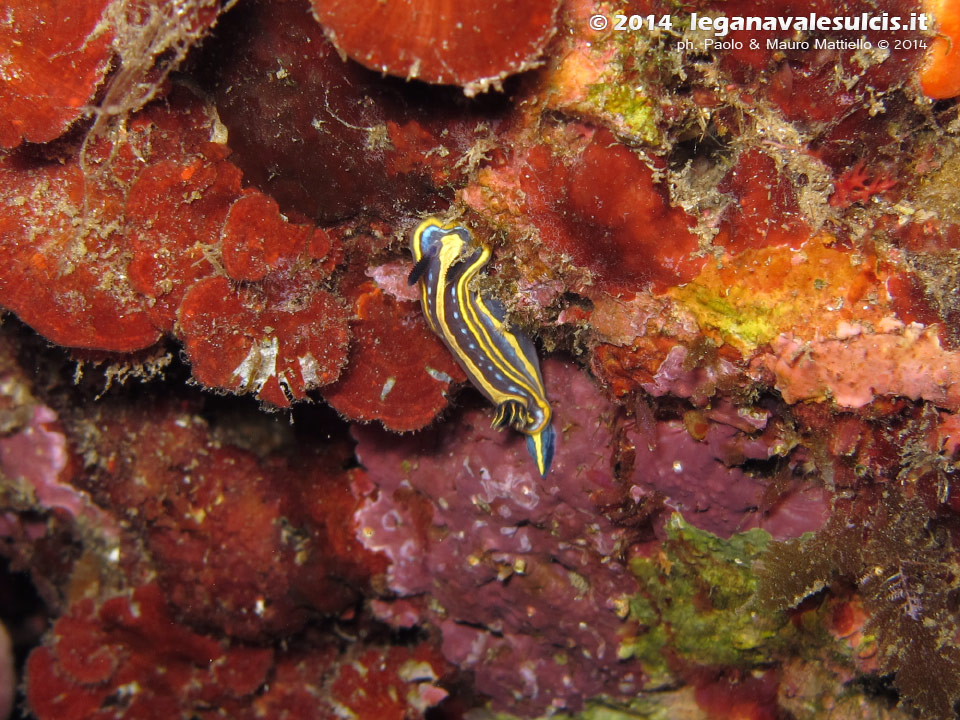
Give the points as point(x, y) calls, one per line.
point(500, 362)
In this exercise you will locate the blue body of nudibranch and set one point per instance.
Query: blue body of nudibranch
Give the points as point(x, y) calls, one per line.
point(501, 363)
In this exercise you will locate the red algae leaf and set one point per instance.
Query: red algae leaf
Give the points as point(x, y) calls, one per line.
point(399, 372)
point(244, 547)
point(311, 125)
point(52, 697)
point(602, 211)
point(389, 684)
point(142, 664)
point(143, 623)
point(766, 211)
point(49, 275)
point(53, 59)
point(38, 458)
point(623, 226)
point(292, 691)
point(474, 43)
point(84, 653)
point(277, 341)
point(321, 498)
point(97, 249)
point(255, 237)
point(330, 139)
point(219, 549)
point(242, 672)
point(169, 239)
point(857, 184)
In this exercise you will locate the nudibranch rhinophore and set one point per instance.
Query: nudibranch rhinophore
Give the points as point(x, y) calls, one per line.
point(500, 362)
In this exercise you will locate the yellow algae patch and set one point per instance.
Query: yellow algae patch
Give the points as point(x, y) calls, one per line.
point(813, 292)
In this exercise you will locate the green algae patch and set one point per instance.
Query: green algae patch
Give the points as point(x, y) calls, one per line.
point(698, 606)
point(615, 80)
point(742, 322)
point(628, 110)
point(693, 599)
point(664, 705)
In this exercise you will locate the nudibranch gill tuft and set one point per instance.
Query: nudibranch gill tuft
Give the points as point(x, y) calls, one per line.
point(500, 362)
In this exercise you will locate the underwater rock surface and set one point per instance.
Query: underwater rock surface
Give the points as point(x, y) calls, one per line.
point(241, 477)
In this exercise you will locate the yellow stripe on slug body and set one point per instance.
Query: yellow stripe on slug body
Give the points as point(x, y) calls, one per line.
point(473, 307)
point(540, 446)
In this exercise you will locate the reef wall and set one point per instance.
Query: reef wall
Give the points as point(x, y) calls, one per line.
point(240, 476)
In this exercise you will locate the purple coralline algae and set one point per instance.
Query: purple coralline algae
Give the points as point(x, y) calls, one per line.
point(701, 479)
point(525, 578)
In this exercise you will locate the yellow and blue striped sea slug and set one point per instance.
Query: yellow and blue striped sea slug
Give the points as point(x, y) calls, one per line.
point(500, 362)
